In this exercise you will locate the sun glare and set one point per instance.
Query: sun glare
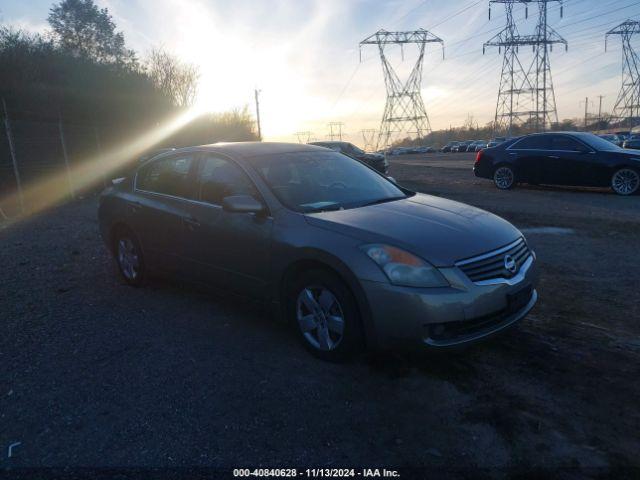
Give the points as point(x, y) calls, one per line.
point(232, 66)
point(87, 172)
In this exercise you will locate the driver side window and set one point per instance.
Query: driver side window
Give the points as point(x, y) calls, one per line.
point(220, 178)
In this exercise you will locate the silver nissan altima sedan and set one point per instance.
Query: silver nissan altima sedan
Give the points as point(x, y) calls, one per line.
point(341, 252)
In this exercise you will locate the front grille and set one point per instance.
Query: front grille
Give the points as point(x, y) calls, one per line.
point(491, 265)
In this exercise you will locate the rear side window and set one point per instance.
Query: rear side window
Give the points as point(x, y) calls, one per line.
point(220, 178)
point(534, 142)
point(169, 176)
point(563, 142)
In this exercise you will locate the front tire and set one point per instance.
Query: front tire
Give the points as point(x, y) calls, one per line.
point(129, 257)
point(504, 177)
point(325, 315)
point(625, 181)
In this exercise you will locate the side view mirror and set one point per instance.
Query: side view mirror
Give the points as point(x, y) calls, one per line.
point(242, 204)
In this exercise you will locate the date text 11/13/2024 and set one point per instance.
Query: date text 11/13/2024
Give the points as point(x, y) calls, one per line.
point(317, 472)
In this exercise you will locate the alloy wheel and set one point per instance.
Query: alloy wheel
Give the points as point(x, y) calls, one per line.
point(320, 318)
point(128, 259)
point(503, 178)
point(625, 181)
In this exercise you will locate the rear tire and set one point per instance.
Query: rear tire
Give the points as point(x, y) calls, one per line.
point(625, 181)
point(129, 257)
point(504, 177)
point(325, 315)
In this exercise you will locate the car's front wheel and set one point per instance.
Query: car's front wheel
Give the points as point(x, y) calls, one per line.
point(325, 315)
point(504, 177)
point(129, 257)
point(625, 181)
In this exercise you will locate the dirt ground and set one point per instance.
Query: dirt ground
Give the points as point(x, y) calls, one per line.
point(97, 374)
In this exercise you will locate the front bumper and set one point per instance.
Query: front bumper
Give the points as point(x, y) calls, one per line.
point(460, 314)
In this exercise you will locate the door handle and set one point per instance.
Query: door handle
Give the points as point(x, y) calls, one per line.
point(191, 223)
point(555, 157)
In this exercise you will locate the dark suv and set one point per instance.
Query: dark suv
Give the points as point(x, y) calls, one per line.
point(374, 160)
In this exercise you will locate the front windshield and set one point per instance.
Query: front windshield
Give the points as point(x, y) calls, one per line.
point(598, 143)
point(317, 181)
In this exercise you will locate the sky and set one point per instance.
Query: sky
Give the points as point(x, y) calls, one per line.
point(304, 58)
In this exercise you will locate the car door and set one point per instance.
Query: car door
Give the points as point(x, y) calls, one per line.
point(527, 154)
point(232, 250)
point(164, 189)
point(567, 161)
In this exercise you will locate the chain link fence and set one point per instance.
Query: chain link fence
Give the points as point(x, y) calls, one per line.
point(34, 150)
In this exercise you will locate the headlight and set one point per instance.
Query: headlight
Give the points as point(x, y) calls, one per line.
point(403, 268)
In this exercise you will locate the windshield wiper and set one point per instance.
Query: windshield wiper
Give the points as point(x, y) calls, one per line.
point(383, 200)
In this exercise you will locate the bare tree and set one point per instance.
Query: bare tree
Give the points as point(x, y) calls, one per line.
point(176, 79)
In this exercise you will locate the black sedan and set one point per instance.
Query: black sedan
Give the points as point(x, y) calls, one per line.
point(632, 142)
point(561, 158)
point(374, 160)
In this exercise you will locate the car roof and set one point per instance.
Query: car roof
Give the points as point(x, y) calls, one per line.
point(559, 133)
point(252, 149)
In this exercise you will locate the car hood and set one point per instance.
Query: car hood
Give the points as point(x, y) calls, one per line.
point(439, 230)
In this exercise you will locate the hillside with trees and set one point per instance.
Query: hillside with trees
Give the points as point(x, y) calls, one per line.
point(82, 71)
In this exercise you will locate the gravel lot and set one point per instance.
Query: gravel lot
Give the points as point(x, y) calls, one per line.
point(97, 374)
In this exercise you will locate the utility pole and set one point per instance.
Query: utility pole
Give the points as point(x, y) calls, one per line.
point(257, 96)
point(586, 112)
point(600, 97)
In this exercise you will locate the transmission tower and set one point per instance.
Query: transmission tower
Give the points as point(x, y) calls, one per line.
point(626, 111)
point(543, 40)
point(335, 131)
point(304, 137)
point(369, 137)
point(516, 94)
point(404, 112)
point(536, 84)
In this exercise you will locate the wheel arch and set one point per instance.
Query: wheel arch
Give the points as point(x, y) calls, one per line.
point(503, 162)
point(317, 259)
point(619, 165)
